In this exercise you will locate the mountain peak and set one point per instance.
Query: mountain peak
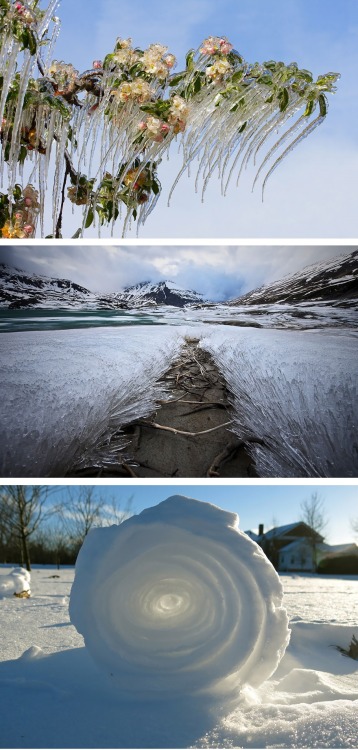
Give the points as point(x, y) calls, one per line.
point(333, 281)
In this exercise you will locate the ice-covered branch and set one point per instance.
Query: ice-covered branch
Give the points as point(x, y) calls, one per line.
point(113, 123)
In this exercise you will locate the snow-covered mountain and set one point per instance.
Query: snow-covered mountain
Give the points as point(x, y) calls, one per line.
point(162, 293)
point(334, 282)
point(21, 289)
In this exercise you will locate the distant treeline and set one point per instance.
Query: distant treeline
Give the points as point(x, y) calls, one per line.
point(46, 525)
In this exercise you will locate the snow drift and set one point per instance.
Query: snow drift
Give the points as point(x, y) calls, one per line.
point(177, 600)
point(15, 582)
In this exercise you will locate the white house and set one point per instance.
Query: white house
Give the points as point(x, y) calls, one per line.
point(293, 547)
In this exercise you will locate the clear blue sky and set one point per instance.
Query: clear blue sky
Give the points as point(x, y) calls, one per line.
point(313, 193)
point(254, 503)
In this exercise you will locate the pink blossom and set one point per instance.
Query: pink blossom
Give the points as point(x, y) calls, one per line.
point(19, 7)
point(28, 229)
point(97, 64)
point(169, 61)
point(142, 125)
point(28, 202)
point(165, 127)
point(225, 46)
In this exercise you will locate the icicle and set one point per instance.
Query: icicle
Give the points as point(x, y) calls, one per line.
point(290, 148)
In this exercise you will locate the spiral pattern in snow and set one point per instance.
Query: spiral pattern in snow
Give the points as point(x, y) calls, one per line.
point(178, 599)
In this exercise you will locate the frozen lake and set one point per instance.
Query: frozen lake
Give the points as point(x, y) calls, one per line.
point(66, 392)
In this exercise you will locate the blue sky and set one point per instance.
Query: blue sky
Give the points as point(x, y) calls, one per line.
point(218, 273)
point(313, 193)
point(268, 504)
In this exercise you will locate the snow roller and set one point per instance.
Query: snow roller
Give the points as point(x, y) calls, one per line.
point(178, 600)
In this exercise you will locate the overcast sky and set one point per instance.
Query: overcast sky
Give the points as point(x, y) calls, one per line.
point(272, 504)
point(313, 193)
point(218, 272)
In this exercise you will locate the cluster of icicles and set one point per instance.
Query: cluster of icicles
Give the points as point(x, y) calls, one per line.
point(222, 127)
point(22, 64)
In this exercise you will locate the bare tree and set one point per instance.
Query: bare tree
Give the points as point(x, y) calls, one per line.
point(81, 510)
point(314, 515)
point(56, 540)
point(115, 513)
point(85, 508)
point(23, 510)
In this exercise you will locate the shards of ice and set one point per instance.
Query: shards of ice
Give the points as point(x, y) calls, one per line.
point(15, 582)
point(177, 600)
point(65, 392)
point(295, 398)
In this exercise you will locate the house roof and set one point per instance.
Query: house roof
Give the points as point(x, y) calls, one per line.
point(281, 531)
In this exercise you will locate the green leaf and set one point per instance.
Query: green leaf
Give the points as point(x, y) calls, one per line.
point(28, 40)
point(32, 43)
point(237, 77)
point(77, 234)
point(22, 154)
point(155, 187)
point(176, 79)
point(283, 98)
point(89, 219)
point(197, 84)
point(189, 60)
point(17, 192)
point(322, 101)
point(309, 108)
point(306, 75)
point(265, 79)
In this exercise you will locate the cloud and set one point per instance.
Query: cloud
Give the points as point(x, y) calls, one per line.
point(219, 272)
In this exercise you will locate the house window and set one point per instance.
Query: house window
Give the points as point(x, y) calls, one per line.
point(292, 560)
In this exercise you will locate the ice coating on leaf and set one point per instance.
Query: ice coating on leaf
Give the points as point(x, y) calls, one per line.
point(108, 128)
point(177, 600)
point(15, 582)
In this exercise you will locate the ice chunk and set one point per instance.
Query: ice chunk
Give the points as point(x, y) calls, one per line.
point(177, 600)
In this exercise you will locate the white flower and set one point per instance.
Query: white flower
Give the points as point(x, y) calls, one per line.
point(218, 69)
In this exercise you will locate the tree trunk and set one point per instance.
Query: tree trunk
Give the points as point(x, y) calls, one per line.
point(25, 552)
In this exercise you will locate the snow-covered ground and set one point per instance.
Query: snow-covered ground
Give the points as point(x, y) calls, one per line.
point(58, 698)
point(65, 392)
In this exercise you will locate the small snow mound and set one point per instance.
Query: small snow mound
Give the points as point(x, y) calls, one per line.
point(177, 600)
point(17, 582)
point(34, 652)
